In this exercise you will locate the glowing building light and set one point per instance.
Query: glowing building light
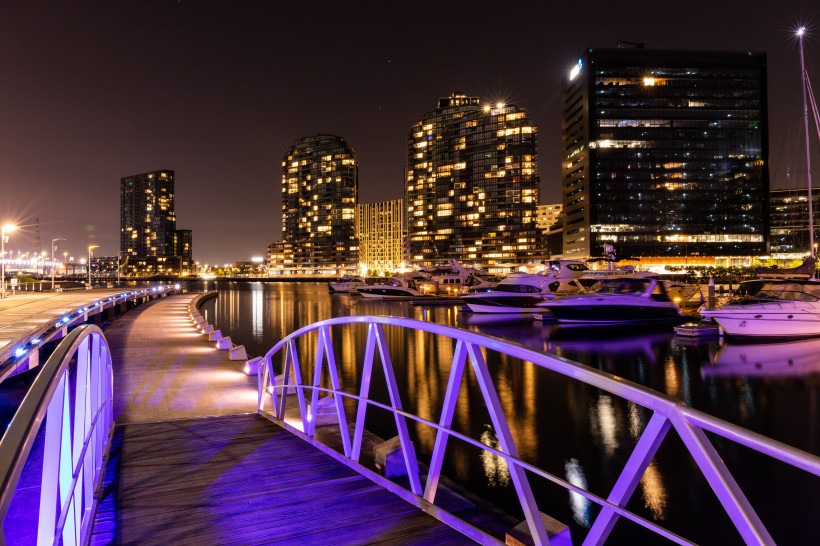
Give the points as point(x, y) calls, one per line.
point(649, 81)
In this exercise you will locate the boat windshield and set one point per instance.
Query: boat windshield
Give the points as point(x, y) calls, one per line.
point(791, 291)
point(517, 288)
point(623, 286)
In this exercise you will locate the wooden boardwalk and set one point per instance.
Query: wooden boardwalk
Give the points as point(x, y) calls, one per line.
point(178, 474)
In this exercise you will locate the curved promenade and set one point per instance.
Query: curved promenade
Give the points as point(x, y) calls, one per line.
point(29, 319)
point(192, 462)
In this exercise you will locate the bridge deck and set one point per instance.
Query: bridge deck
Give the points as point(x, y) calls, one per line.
point(178, 474)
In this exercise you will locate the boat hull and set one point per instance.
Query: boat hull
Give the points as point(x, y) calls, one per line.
point(487, 302)
point(757, 325)
point(388, 293)
point(613, 314)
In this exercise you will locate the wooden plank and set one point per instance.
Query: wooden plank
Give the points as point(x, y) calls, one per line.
point(243, 480)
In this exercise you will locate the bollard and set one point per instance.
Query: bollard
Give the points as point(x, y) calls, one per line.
point(207, 329)
point(325, 413)
point(711, 301)
point(216, 335)
point(237, 352)
point(389, 459)
point(251, 367)
point(558, 533)
point(224, 343)
point(280, 380)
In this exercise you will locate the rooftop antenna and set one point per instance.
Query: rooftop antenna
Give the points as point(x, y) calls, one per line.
point(623, 43)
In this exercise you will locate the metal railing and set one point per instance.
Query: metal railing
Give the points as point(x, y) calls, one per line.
point(667, 413)
point(73, 395)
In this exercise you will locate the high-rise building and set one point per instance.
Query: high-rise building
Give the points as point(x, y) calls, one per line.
point(150, 243)
point(319, 194)
point(472, 185)
point(380, 232)
point(790, 221)
point(147, 219)
point(183, 247)
point(665, 153)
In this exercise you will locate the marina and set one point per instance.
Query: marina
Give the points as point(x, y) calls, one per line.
point(684, 368)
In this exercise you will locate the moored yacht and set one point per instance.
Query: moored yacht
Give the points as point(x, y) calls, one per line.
point(620, 301)
point(779, 308)
point(398, 287)
point(455, 279)
point(517, 293)
point(346, 285)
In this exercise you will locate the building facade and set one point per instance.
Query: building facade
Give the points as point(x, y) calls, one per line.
point(184, 248)
point(150, 243)
point(381, 233)
point(319, 195)
point(665, 153)
point(147, 219)
point(790, 222)
point(472, 186)
point(548, 215)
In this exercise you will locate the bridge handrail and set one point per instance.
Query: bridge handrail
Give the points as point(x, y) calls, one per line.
point(668, 413)
point(76, 438)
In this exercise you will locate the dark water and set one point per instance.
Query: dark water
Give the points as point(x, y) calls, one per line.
point(570, 429)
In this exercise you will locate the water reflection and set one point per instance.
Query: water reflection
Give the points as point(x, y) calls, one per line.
point(495, 467)
point(581, 507)
point(795, 358)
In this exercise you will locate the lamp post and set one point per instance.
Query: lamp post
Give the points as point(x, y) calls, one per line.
point(3, 231)
point(90, 248)
point(52, 260)
point(119, 264)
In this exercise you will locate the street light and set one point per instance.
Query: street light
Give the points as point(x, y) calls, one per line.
point(52, 260)
point(90, 248)
point(7, 228)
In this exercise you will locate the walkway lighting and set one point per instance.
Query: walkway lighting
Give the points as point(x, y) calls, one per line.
point(53, 267)
point(90, 248)
point(5, 229)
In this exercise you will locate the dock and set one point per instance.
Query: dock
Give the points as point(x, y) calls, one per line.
point(192, 462)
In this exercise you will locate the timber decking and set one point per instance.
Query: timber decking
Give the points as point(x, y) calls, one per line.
point(191, 464)
point(241, 479)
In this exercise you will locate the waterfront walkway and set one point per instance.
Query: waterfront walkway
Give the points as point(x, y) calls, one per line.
point(27, 311)
point(192, 463)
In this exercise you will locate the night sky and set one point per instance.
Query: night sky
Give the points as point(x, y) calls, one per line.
point(91, 92)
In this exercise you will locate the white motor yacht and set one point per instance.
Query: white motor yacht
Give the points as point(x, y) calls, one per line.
point(517, 293)
point(455, 279)
point(619, 301)
point(398, 287)
point(779, 308)
point(346, 285)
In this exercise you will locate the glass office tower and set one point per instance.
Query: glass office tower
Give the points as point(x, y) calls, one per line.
point(319, 194)
point(665, 153)
point(472, 185)
point(790, 221)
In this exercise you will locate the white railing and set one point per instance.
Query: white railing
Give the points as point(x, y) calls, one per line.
point(73, 394)
point(667, 413)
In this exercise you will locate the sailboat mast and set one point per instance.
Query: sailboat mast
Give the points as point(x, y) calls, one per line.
point(803, 79)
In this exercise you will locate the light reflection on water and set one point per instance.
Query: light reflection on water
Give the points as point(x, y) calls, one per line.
point(564, 427)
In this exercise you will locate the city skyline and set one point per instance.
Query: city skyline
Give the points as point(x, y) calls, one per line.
point(217, 92)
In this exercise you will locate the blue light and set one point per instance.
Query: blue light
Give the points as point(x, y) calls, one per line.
point(19, 352)
point(35, 341)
